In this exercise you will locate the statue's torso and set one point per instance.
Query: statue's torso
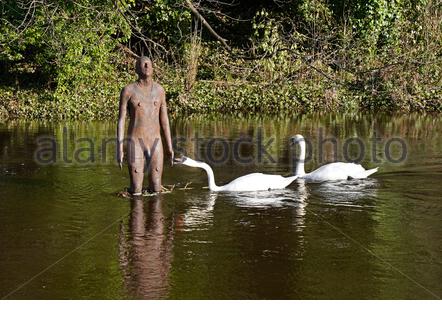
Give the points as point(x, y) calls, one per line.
point(144, 113)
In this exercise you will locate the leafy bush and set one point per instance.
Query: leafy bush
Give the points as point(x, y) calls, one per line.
point(65, 59)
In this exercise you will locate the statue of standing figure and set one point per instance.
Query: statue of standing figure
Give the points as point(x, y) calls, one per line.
point(145, 101)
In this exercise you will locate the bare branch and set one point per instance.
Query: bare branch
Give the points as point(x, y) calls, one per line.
point(137, 31)
point(207, 25)
point(128, 51)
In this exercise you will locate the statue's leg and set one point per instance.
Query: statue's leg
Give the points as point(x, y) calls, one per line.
point(155, 168)
point(136, 163)
point(136, 173)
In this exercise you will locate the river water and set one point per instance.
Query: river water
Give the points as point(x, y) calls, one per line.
point(65, 234)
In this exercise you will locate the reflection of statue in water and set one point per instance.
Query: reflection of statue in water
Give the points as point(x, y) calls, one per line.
point(146, 252)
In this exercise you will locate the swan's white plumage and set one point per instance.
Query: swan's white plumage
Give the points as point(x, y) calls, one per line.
point(338, 171)
point(331, 171)
point(249, 182)
point(258, 181)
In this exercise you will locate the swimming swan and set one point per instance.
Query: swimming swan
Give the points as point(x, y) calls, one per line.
point(249, 182)
point(331, 171)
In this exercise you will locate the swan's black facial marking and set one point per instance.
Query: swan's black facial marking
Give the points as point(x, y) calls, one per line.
point(294, 140)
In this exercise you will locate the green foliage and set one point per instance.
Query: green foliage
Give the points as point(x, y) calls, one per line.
point(69, 59)
point(163, 21)
point(268, 43)
point(316, 13)
point(73, 44)
point(377, 21)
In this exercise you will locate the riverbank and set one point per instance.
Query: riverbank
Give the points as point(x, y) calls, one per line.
point(211, 98)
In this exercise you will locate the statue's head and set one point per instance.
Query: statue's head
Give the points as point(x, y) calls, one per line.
point(143, 67)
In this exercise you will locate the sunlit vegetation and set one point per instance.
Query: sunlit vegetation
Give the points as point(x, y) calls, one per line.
point(70, 59)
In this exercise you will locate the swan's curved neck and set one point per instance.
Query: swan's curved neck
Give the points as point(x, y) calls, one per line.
point(210, 176)
point(300, 165)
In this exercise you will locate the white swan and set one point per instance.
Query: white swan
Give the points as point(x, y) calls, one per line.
point(330, 171)
point(249, 182)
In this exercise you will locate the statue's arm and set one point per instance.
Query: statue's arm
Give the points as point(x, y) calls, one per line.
point(164, 121)
point(124, 99)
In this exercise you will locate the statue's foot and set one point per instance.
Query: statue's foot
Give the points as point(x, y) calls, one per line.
point(134, 194)
point(127, 193)
point(148, 191)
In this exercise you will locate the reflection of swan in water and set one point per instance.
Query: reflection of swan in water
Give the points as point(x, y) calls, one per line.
point(301, 198)
point(296, 198)
point(146, 252)
point(249, 182)
point(331, 171)
point(346, 193)
point(199, 213)
point(283, 198)
point(300, 214)
point(263, 199)
point(200, 207)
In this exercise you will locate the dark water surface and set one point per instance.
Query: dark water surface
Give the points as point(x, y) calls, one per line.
point(64, 233)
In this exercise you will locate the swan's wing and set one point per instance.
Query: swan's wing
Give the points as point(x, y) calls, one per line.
point(339, 171)
point(363, 174)
point(259, 181)
point(331, 171)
